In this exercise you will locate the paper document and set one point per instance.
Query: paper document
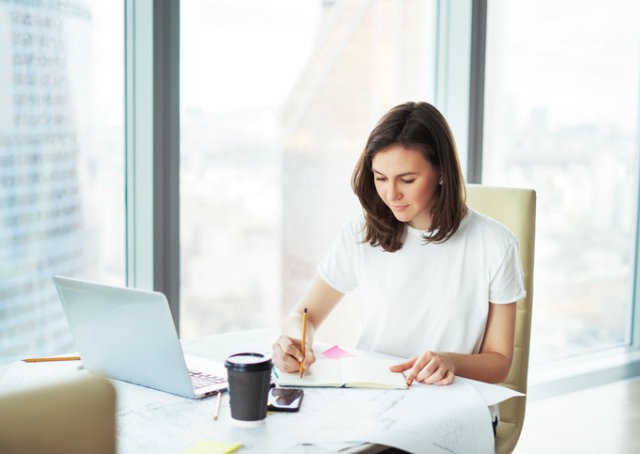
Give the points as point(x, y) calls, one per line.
point(423, 419)
point(492, 394)
point(21, 376)
point(348, 372)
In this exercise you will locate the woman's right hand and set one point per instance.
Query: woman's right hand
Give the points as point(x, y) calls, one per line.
point(319, 300)
point(287, 354)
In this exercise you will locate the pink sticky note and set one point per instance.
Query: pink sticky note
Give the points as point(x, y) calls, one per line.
point(335, 352)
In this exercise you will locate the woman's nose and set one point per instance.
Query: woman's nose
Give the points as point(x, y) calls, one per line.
point(393, 192)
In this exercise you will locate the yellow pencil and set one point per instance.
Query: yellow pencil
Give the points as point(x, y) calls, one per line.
point(304, 339)
point(217, 413)
point(52, 358)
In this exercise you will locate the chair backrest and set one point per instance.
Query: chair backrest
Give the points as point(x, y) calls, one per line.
point(516, 209)
point(76, 416)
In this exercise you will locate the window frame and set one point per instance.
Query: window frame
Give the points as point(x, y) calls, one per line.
point(152, 150)
point(152, 44)
point(554, 377)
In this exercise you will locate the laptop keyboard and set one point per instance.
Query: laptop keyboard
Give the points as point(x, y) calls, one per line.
point(202, 379)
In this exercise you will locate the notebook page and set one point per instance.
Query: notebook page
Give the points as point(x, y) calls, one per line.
point(366, 372)
point(324, 372)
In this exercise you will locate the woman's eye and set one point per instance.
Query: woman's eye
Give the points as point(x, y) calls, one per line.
point(409, 181)
point(381, 179)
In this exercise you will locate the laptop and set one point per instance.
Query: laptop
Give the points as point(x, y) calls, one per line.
point(128, 334)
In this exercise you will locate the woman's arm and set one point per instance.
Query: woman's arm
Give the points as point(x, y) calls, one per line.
point(319, 300)
point(490, 365)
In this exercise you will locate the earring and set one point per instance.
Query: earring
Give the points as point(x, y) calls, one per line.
point(440, 182)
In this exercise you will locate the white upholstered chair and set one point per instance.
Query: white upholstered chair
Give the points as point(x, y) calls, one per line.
point(515, 208)
point(76, 416)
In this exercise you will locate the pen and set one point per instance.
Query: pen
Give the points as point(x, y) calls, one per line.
point(217, 413)
point(52, 358)
point(304, 339)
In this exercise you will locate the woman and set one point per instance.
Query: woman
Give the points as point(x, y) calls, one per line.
point(438, 280)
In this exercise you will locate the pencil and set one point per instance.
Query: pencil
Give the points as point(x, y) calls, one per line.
point(52, 358)
point(304, 339)
point(217, 413)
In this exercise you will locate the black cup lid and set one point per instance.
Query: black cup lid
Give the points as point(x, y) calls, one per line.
point(248, 361)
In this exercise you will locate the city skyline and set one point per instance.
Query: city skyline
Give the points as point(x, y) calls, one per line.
point(42, 216)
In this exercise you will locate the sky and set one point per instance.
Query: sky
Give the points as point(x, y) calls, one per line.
point(244, 52)
point(578, 59)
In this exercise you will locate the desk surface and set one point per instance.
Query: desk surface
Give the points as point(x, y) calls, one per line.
point(423, 418)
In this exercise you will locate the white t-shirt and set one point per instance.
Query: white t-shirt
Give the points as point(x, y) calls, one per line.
point(427, 296)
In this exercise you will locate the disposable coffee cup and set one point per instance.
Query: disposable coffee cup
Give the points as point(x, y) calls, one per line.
point(249, 381)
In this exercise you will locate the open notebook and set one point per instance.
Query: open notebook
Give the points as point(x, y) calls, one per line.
point(348, 372)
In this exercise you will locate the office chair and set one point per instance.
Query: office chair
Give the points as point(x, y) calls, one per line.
point(515, 208)
point(76, 416)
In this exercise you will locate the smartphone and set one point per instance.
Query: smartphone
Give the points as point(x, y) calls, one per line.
point(285, 399)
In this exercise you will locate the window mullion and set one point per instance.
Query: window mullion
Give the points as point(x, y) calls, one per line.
point(152, 146)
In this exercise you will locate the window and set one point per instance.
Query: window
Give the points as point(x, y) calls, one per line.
point(275, 109)
point(61, 163)
point(561, 116)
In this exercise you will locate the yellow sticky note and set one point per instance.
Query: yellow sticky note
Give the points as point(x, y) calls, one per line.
point(213, 447)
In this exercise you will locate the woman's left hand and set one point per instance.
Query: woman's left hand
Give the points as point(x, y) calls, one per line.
point(430, 367)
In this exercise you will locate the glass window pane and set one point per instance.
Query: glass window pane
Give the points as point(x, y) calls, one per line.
point(561, 116)
point(276, 107)
point(61, 163)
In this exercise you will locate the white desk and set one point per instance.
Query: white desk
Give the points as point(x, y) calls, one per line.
point(447, 419)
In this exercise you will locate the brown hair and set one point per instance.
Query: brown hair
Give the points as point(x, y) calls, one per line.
point(419, 126)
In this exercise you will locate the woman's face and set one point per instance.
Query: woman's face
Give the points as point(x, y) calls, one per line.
point(406, 182)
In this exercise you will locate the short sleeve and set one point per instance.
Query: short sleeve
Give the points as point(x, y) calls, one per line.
point(338, 267)
point(507, 284)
